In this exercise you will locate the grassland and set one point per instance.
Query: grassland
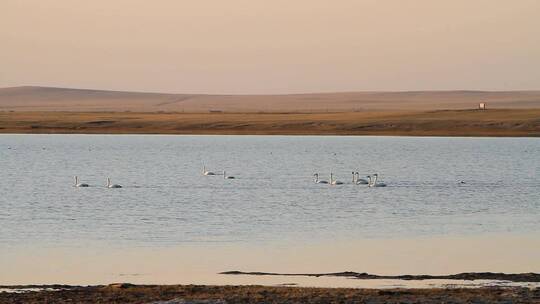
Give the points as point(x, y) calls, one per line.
point(419, 113)
point(83, 100)
point(497, 122)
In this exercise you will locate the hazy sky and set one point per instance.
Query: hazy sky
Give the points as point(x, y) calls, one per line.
point(271, 46)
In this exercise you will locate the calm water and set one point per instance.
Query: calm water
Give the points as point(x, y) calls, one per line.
point(167, 202)
point(170, 224)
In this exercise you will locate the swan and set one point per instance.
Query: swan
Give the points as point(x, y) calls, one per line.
point(317, 181)
point(77, 184)
point(109, 185)
point(204, 172)
point(360, 181)
point(334, 182)
point(374, 182)
point(225, 176)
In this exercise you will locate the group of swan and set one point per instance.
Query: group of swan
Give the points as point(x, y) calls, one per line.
point(332, 180)
point(84, 185)
point(208, 173)
point(356, 180)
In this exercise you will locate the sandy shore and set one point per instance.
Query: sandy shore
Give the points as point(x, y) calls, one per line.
point(127, 293)
point(500, 122)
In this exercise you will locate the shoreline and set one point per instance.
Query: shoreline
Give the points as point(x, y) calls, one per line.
point(175, 294)
point(441, 123)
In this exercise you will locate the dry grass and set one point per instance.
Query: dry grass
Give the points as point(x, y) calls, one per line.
point(80, 100)
point(501, 122)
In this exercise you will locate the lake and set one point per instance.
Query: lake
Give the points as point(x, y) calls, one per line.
point(441, 192)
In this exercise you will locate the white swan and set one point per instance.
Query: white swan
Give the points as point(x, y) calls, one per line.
point(317, 181)
point(204, 172)
point(225, 176)
point(77, 184)
point(334, 182)
point(373, 183)
point(360, 181)
point(109, 185)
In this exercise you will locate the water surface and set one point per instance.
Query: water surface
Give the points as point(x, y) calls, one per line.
point(273, 203)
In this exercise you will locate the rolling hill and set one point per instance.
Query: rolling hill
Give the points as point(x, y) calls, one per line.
point(31, 98)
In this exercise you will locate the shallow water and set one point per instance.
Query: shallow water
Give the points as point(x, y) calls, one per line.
point(166, 202)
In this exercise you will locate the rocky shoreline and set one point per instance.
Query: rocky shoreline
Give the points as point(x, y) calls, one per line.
point(176, 294)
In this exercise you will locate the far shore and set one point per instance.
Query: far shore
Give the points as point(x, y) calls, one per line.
point(493, 122)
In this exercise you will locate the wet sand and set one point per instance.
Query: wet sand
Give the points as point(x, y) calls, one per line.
point(127, 293)
point(500, 122)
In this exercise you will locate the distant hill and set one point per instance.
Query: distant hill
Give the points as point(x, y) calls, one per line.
point(31, 98)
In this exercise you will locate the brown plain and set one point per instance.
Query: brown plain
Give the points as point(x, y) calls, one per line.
point(440, 113)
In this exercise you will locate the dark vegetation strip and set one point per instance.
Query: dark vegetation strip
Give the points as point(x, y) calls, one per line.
point(513, 277)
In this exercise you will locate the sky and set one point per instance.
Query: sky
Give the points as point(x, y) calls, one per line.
point(265, 47)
